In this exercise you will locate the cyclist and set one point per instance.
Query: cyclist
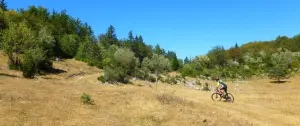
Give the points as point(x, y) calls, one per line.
point(221, 86)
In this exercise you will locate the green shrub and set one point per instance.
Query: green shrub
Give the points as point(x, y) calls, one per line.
point(198, 83)
point(157, 64)
point(120, 63)
point(173, 80)
point(206, 88)
point(28, 67)
point(69, 44)
point(14, 67)
point(151, 79)
point(160, 78)
point(33, 61)
point(140, 85)
point(113, 75)
point(167, 80)
point(142, 73)
point(178, 78)
point(102, 79)
point(90, 53)
point(86, 99)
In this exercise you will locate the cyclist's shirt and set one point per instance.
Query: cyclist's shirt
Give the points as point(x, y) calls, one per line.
point(220, 83)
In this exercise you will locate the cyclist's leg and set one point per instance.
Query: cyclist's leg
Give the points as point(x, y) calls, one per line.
point(222, 90)
point(225, 89)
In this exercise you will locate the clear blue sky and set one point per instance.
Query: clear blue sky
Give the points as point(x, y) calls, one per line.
point(188, 27)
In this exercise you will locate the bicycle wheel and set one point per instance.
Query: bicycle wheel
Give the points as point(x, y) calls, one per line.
point(230, 97)
point(216, 97)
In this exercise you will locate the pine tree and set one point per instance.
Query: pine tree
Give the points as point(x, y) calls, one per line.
point(130, 36)
point(109, 38)
point(3, 5)
point(158, 50)
point(236, 45)
point(186, 60)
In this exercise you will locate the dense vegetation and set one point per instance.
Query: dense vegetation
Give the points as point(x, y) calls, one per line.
point(278, 59)
point(32, 38)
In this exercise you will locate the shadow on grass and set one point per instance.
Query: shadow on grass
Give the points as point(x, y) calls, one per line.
point(279, 82)
point(7, 75)
point(53, 71)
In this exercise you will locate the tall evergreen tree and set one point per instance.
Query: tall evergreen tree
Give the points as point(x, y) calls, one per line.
point(109, 38)
point(236, 45)
point(130, 36)
point(158, 50)
point(3, 5)
point(187, 60)
point(171, 55)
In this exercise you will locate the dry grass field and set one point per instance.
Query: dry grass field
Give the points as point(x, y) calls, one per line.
point(54, 100)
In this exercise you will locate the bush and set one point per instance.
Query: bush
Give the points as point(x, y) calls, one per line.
point(69, 44)
point(90, 52)
point(33, 61)
point(28, 67)
point(281, 63)
point(160, 78)
point(102, 79)
point(168, 81)
point(14, 67)
point(178, 78)
point(173, 80)
point(206, 88)
point(198, 83)
point(188, 70)
point(86, 99)
point(140, 85)
point(120, 63)
point(151, 78)
point(113, 75)
point(158, 63)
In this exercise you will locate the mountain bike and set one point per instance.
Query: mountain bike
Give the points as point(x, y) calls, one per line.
point(217, 96)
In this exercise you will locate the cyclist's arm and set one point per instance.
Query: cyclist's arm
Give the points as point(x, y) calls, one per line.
point(218, 84)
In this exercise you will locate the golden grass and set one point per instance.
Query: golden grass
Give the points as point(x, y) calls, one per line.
point(55, 99)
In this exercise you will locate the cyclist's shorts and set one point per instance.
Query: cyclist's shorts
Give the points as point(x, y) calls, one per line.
point(224, 88)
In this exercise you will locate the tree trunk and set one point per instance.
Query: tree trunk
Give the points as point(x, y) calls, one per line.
point(10, 60)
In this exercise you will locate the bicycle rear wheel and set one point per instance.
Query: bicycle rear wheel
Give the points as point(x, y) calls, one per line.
point(216, 97)
point(230, 97)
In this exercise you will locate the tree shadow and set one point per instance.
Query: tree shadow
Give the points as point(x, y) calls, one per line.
point(279, 82)
point(8, 75)
point(53, 71)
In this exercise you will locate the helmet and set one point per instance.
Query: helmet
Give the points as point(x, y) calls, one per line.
point(217, 78)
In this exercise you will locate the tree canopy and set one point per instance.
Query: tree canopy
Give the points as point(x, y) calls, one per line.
point(33, 37)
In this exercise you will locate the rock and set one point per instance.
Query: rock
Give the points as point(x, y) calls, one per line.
point(191, 84)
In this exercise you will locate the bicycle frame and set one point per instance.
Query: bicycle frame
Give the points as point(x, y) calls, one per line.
point(218, 91)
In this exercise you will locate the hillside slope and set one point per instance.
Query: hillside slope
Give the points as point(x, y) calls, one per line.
point(54, 99)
